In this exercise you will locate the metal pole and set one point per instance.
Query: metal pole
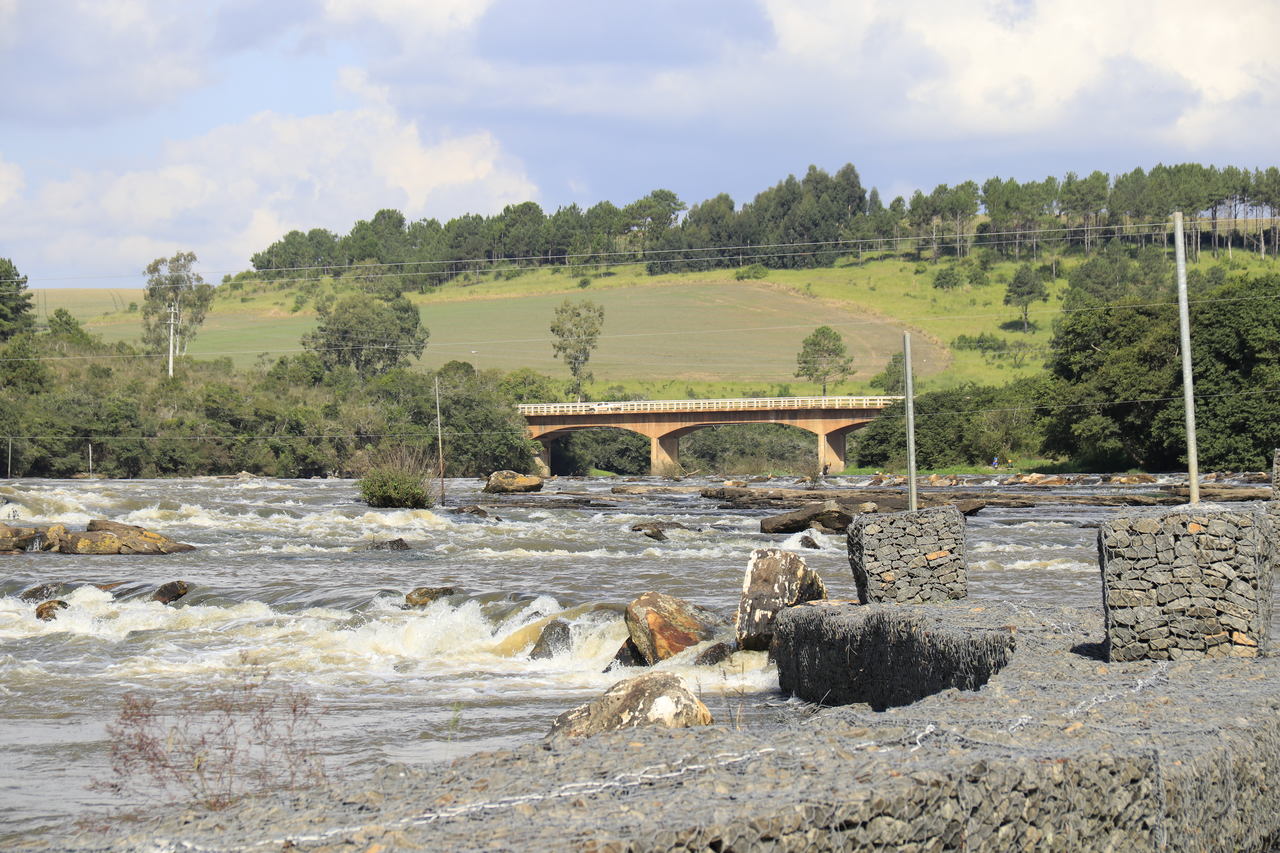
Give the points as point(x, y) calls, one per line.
point(171, 324)
point(1188, 387)
point(91, 459)
point(909, 388)
point(439, 440)
point(10, 457)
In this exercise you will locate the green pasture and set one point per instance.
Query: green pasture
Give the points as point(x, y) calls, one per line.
point(86, 303)
point(705, 333)
point(671, 336)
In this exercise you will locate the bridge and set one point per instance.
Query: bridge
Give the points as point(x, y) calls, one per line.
point(664, 421)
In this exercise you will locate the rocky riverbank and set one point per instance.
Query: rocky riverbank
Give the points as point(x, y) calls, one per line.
point(1059, 750)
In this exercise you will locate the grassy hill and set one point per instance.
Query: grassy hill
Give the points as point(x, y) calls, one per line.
point(664, 336)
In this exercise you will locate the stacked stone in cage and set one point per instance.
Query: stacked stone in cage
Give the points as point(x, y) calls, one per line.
point(909, 557)
point(1188, 584)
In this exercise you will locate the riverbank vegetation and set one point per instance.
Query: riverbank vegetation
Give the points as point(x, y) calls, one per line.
point(68, 395)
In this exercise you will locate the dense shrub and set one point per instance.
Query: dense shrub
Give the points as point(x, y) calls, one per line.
point(385, 488)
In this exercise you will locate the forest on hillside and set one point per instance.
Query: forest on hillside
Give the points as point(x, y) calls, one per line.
point(1108, 398)
point(805, 222)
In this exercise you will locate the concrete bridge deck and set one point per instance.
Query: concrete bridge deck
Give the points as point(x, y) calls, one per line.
point(830, 418)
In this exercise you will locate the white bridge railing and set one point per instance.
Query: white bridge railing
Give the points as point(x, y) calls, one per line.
point(743, 404)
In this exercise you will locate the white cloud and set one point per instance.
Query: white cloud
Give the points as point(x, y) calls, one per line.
point(232, 191)
point(1000, 69)
point(920, 70)
point(11, 181)
point(76, 60)
point(410, 18)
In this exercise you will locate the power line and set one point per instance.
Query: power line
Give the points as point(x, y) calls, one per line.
point(648, 254)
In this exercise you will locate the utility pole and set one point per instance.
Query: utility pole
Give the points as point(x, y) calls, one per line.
point(439, 441)
point(173, 307)
point(91, 460)
point(10, 457)
point(1188, 387)
point(909, 390)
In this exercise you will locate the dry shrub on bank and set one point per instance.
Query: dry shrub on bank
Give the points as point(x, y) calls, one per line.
point(252, 737)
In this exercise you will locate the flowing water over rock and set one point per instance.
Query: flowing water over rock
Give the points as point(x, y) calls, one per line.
point(282, 577)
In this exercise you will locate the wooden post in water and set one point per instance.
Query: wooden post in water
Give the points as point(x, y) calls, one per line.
point(1188, 386)
point(909, 390)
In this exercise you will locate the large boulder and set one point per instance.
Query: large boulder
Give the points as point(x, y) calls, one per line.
point(17, 538)
point(774, 581)
point(110, 537)
point(508, 482)
point(662, 625)
point(652, 699)
point(827, 516)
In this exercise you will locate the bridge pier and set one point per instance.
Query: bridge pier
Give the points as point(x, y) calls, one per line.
point(542, 462)
point(831, 449)
point(664, 453)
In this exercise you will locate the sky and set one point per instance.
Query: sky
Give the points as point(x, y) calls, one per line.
point(133, 129)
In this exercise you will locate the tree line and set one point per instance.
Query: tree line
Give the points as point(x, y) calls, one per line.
point(1111, 398)
point(800, 223)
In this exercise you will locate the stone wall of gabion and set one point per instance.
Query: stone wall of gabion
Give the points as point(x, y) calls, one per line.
point(1187, 584)
point(885, 656)
point(909, 557)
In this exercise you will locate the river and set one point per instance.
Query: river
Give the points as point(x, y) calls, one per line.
point(279, 579)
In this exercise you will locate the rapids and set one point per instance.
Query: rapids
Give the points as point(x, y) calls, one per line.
point(278, 579)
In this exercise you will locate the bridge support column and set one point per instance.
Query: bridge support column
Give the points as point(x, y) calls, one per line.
point(542, 462)
point(664, 454)
point(831, 448)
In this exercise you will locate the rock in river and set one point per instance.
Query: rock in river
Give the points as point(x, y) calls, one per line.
point(662, 625)
point(396, 544)
point(424, 595)
point(774, 580)
point(170, 592)
point(48, 611)
point(627, 655)
point(713, 654)
point(507, 482)
point(17, 538)
point(827, 516)
point(44, 591)
point(110, 537)
point(554, 640)
point(655, 698)
point(656, 529)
